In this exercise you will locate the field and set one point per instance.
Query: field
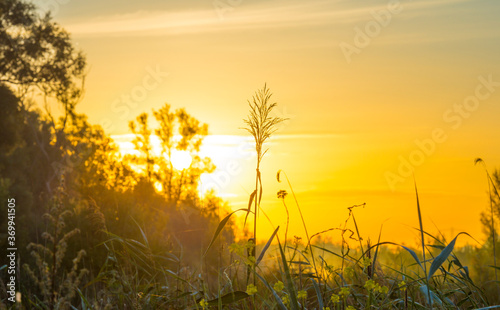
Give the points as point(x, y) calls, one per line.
point(96, 223)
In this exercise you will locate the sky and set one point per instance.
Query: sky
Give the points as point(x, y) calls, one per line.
point(379, 95)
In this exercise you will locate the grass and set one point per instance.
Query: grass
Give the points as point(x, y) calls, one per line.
point(291, 273)
point(297, 275)
point(300, 275)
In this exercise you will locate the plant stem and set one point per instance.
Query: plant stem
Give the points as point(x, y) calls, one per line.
point(255, 213)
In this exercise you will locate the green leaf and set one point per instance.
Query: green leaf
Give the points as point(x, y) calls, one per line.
point(220, 227)
point(278, 299)
point(268, 244)
point(85, 303)
point(441, 258)
point(228, 298)
point(426, 291)
point(412, 253)
point(252, 196)
point(289, 282)
point(260, 186)
point(374, 261)
point(318, 293)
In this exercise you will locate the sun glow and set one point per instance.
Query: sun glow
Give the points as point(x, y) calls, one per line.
point(181, 160)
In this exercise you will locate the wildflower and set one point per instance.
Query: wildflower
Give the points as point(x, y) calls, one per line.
point(335, 298)
point(285, 299)
point(203, 303)
point(250, 260)
point(302, 295)
point(233, 247)
point(326, 308)
point(348, 272)
point(350, 308)
point(282, 194)
point(236, 248)
point(402, 285)
point(383, 289)
point(279, 286)
point(345, 291)
point(250, 244)
point(367, 262)
point(251, 289)
point(370, 285)
point(297, 240)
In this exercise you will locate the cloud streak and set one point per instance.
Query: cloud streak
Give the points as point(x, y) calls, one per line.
point(251, 17)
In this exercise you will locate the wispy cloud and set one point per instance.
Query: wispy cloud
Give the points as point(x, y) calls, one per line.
point(258, 16)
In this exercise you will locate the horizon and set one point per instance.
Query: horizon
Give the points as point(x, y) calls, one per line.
point(384, 90)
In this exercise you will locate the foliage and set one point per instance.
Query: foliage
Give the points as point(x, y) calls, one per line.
point(36, 52)
point(115, 231)
point(260, 124)
point(56, 285)
point(178, 131)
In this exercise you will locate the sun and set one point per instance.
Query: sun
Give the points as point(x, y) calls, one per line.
point(181, 159)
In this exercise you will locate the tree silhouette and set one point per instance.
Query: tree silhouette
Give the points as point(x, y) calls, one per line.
point(177, 131)
point(36, 52)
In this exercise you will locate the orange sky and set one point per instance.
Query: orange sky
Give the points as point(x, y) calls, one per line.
point(364, 83)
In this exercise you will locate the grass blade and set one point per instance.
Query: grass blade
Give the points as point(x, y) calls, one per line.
point(423, 243)
point(318, 293)
point(431, 296)
point(252, 196)
point(220, 227)
point(294, 304)
point(441, 258)
point(268, 244)
point(414, 255)
point(229, 298)
point(278, 299)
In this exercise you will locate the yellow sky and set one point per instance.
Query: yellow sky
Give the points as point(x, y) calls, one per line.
point(366, 84)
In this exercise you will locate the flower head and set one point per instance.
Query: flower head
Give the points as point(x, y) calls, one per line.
point(349, 272)
point(402, 285)
point(236, 248)
point(282, 194)
point(203, 303)
point(383, 289)
point(367, 262)
point(370, 285)
point(345, 291)
point(279, 286)
point(302, 294)
point(250, 260)
point(251, 289)
point(285, 299)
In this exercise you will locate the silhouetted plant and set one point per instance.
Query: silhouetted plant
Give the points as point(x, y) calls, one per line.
point(261, 125)
point(57, 286)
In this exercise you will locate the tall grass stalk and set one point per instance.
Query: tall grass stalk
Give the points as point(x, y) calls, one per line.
point(260, 124)
point(493, 232)
point(302, 218)
point(423, 246)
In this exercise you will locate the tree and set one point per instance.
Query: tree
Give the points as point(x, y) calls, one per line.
point(142, 143)
point(177, 131)
point(37, 52)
